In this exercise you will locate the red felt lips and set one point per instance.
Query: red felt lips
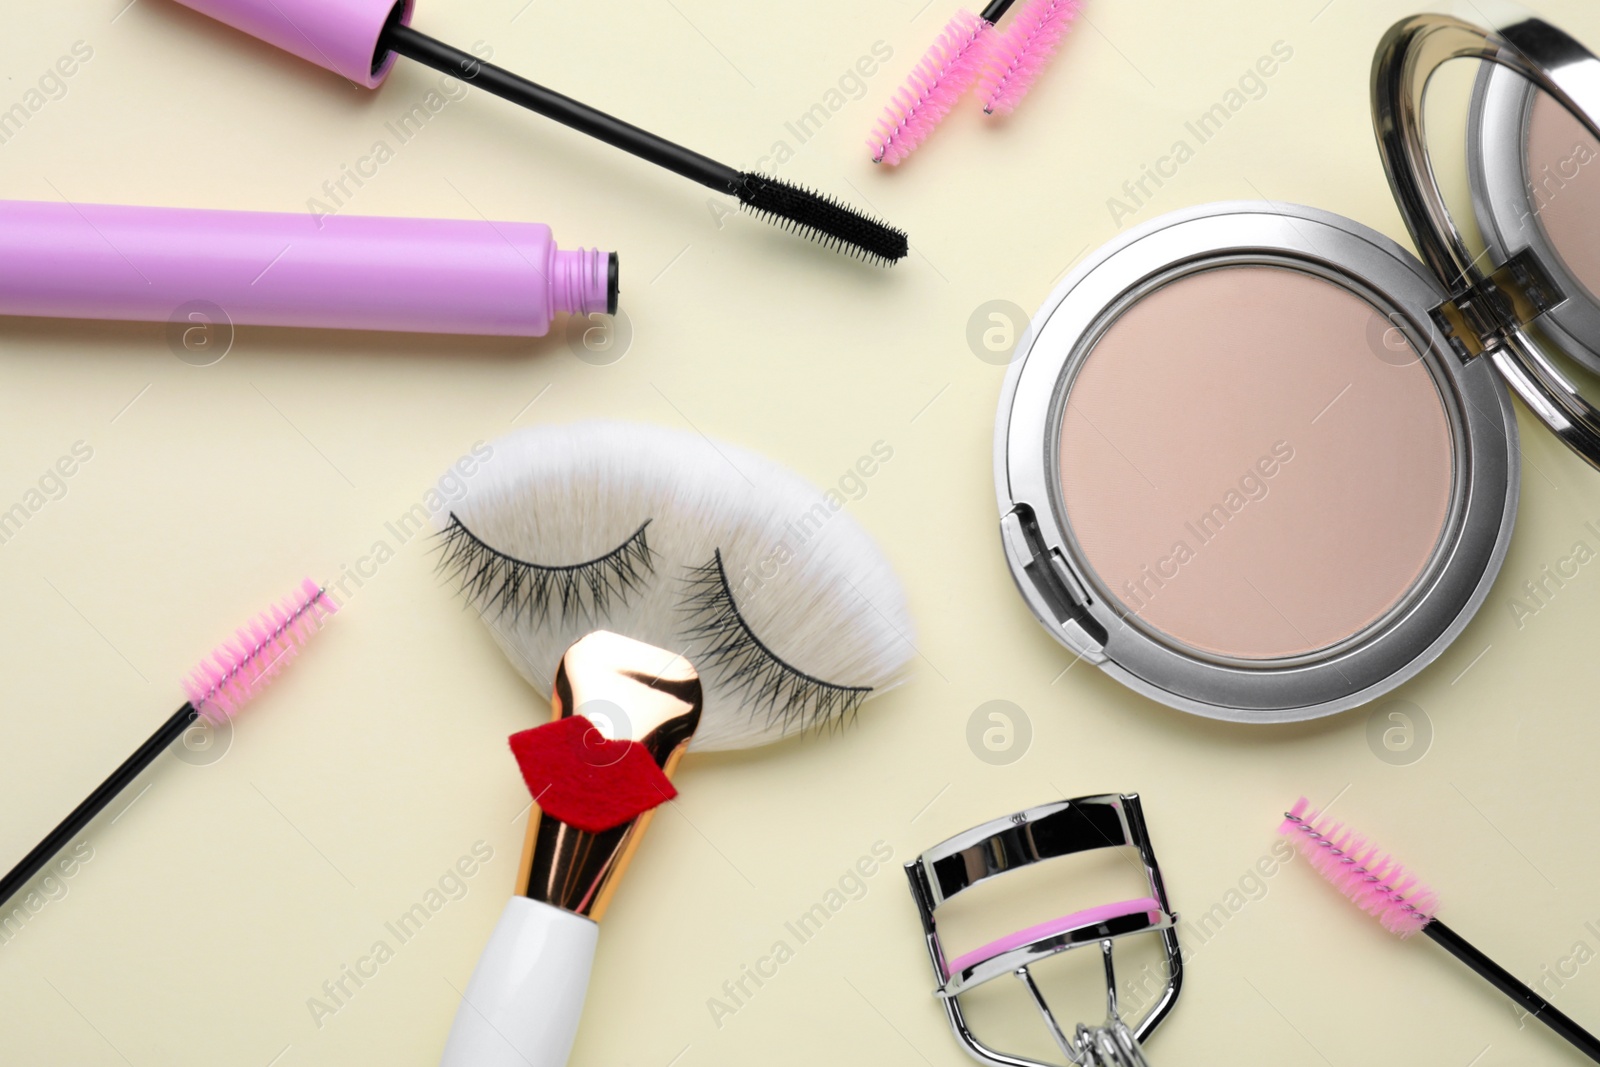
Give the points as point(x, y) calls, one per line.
point(584, 779)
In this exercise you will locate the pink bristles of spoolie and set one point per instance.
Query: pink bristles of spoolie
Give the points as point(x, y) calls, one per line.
point(244, 664)
point(1018, 56)
point(948, 69)
point(1378, 883)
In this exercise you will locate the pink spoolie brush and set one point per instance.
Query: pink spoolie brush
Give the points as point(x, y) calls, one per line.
point(1018, 56)
point(948, 69)
point(243, 665)
point(218, 688)
point(1382, 887)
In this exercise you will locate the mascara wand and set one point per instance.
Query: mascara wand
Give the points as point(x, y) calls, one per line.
point(1382, 887)
point(802, 211)
point(360, 38)
point(217, 690)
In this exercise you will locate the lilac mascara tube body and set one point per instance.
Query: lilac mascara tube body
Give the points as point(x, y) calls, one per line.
point(99, 261)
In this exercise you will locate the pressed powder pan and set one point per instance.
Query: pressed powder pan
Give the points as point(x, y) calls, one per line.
point(1259, 462)
point(1210, 544)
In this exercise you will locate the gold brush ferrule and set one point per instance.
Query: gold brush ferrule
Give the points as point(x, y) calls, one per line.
point(632, 692)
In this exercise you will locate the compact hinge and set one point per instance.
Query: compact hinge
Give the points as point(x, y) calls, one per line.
point(1516, 295)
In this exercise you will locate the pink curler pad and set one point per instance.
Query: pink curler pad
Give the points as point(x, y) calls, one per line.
point(97, 261)
point(1146, 906)
point(341, 35)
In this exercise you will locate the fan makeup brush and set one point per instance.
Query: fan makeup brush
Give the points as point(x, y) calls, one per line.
point(359, 39)
point(1385, 889)
point(948, 69)
point(673, 595)
point(218, 689)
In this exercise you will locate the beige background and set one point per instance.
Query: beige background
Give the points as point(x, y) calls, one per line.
point(228, 893)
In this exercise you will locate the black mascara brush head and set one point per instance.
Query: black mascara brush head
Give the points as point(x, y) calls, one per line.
point(821, 218)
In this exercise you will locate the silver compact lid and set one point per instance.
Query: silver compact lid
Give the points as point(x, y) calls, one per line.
point(1469, 187)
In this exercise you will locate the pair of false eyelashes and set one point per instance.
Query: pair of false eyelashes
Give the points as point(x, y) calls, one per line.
point(722, 641)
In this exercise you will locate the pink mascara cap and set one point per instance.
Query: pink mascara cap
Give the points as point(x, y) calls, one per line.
point(341, 35)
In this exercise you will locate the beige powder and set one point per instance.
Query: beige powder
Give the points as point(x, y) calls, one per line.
point(1564, 171)
point(1254, 463)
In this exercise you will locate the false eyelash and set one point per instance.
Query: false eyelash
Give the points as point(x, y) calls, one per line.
point(505, 584)
point(726, 644)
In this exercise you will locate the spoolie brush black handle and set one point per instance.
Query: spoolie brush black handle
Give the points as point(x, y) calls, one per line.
point(226, 680)
point(995, 11)
point(95, 802)
point(1501, 979)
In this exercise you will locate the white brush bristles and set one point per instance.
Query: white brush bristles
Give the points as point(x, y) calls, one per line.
point(657, 509)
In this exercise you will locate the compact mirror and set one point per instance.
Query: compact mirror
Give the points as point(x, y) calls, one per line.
point(1534, 177)
point(1493, 152)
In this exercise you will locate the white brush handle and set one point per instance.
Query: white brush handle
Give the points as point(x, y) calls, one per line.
point(526, 994)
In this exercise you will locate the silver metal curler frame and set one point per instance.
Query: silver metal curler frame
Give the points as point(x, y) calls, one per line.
point(1048, 832)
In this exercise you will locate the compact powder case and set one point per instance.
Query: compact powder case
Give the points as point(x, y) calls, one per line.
point(1259, 462)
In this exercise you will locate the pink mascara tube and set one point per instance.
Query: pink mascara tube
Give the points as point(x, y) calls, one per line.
point(96, 261)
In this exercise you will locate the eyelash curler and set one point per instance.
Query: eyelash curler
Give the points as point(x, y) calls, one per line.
point(1047, 832)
